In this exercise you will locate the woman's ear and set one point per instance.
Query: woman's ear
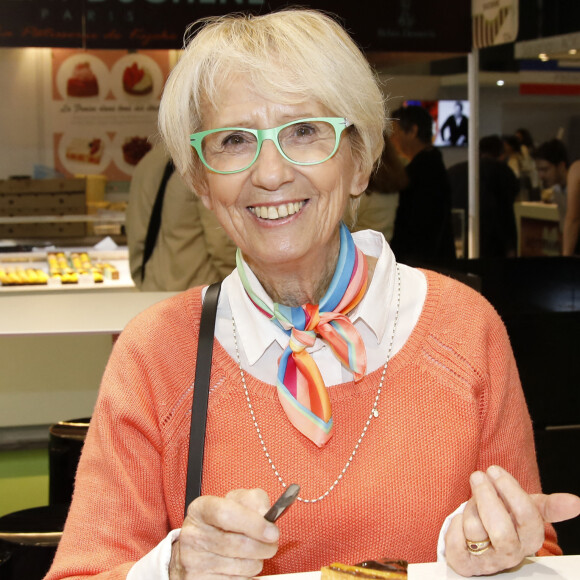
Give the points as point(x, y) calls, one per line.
point(202, 191)
point(360, 179)
point(361, 185)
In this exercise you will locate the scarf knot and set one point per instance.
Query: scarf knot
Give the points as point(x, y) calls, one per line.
point(300, 339)
point(300, 386)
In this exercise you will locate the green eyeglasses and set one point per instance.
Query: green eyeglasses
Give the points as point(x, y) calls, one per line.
point(303, 142)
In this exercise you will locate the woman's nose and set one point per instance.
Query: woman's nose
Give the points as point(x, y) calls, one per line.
point(271, 170)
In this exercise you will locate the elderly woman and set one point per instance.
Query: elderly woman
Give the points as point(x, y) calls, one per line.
point(389, 394)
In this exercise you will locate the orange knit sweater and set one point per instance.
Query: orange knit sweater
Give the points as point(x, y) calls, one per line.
point(451, 404)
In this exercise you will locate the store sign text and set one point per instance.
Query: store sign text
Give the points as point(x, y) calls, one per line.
point(207, 2)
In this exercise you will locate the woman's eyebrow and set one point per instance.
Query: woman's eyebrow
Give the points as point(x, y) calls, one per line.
point(282, 120)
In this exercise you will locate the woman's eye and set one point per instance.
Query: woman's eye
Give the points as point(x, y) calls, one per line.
point(233, 140)
point(304, 130)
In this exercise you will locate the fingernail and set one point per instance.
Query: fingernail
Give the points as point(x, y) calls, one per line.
point(477, 477)
point(494, 471)
point(271, 533)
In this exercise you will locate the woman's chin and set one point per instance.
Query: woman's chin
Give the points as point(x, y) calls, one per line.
point(274, 258)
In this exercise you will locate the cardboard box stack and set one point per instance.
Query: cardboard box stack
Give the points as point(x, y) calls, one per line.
point(42, 197)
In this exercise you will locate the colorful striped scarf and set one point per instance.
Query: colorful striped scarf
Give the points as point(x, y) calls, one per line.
point(301, 389)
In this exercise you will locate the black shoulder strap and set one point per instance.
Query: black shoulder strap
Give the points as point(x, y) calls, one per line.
point(155, 219)
point(200, 394)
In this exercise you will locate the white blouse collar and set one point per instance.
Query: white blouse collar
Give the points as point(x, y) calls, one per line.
point(257, 333)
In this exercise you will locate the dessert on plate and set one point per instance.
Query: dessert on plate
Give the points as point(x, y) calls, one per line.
point(85, 150)
point(83, 82)
point(383, 569)
point(137, 80)
point(134, 148)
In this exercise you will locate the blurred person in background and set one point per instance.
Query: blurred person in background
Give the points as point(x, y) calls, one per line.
point(526, 140)
point(512, 154)
point(498, 189)
point(423, 229)
point(519, 159)
point(378, 205)
point(571, 239)
point(552, 165)
point(190, 247)
point(529, 182)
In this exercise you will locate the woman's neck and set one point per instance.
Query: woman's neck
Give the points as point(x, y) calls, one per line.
point(294, 288)
point(298, 284)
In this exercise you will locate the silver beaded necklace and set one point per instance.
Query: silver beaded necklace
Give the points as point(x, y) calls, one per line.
point(373, 414)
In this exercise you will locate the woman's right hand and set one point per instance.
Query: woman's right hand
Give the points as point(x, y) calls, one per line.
point(224, 537)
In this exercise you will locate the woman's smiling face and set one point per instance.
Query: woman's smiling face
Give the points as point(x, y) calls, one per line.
point(280, 214)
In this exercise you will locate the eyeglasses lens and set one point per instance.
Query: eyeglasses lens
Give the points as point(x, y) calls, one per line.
point(302, 142)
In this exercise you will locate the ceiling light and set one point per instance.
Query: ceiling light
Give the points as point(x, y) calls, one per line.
point(500, 83)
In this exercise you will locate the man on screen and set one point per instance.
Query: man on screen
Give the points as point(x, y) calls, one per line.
point(454, 130)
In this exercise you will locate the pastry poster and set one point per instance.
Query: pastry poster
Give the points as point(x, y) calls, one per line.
point(104, 109)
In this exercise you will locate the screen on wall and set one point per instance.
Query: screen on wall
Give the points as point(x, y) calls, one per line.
point(450, 121)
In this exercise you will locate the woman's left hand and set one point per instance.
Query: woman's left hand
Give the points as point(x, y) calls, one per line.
point(503, 513)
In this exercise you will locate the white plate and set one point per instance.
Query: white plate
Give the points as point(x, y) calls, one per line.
point(298, 576)
point(547, 568)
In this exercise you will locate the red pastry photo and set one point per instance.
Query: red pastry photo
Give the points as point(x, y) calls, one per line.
point(83, 82)
point(137, 80)
point(134, 148)
point(85, 150)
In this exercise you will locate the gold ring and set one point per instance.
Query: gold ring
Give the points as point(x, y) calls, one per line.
point(478, 548)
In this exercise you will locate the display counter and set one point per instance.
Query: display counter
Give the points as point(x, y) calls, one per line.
point(78, 313)
point(538, 226)
point(54, 347)
point(65, 270)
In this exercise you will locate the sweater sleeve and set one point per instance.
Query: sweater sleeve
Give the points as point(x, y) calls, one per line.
point(119, 509)
point(507, 437)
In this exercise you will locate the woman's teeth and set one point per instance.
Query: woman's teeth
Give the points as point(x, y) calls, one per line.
point(270, 212)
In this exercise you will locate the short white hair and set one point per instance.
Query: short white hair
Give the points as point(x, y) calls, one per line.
point(290, 56)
